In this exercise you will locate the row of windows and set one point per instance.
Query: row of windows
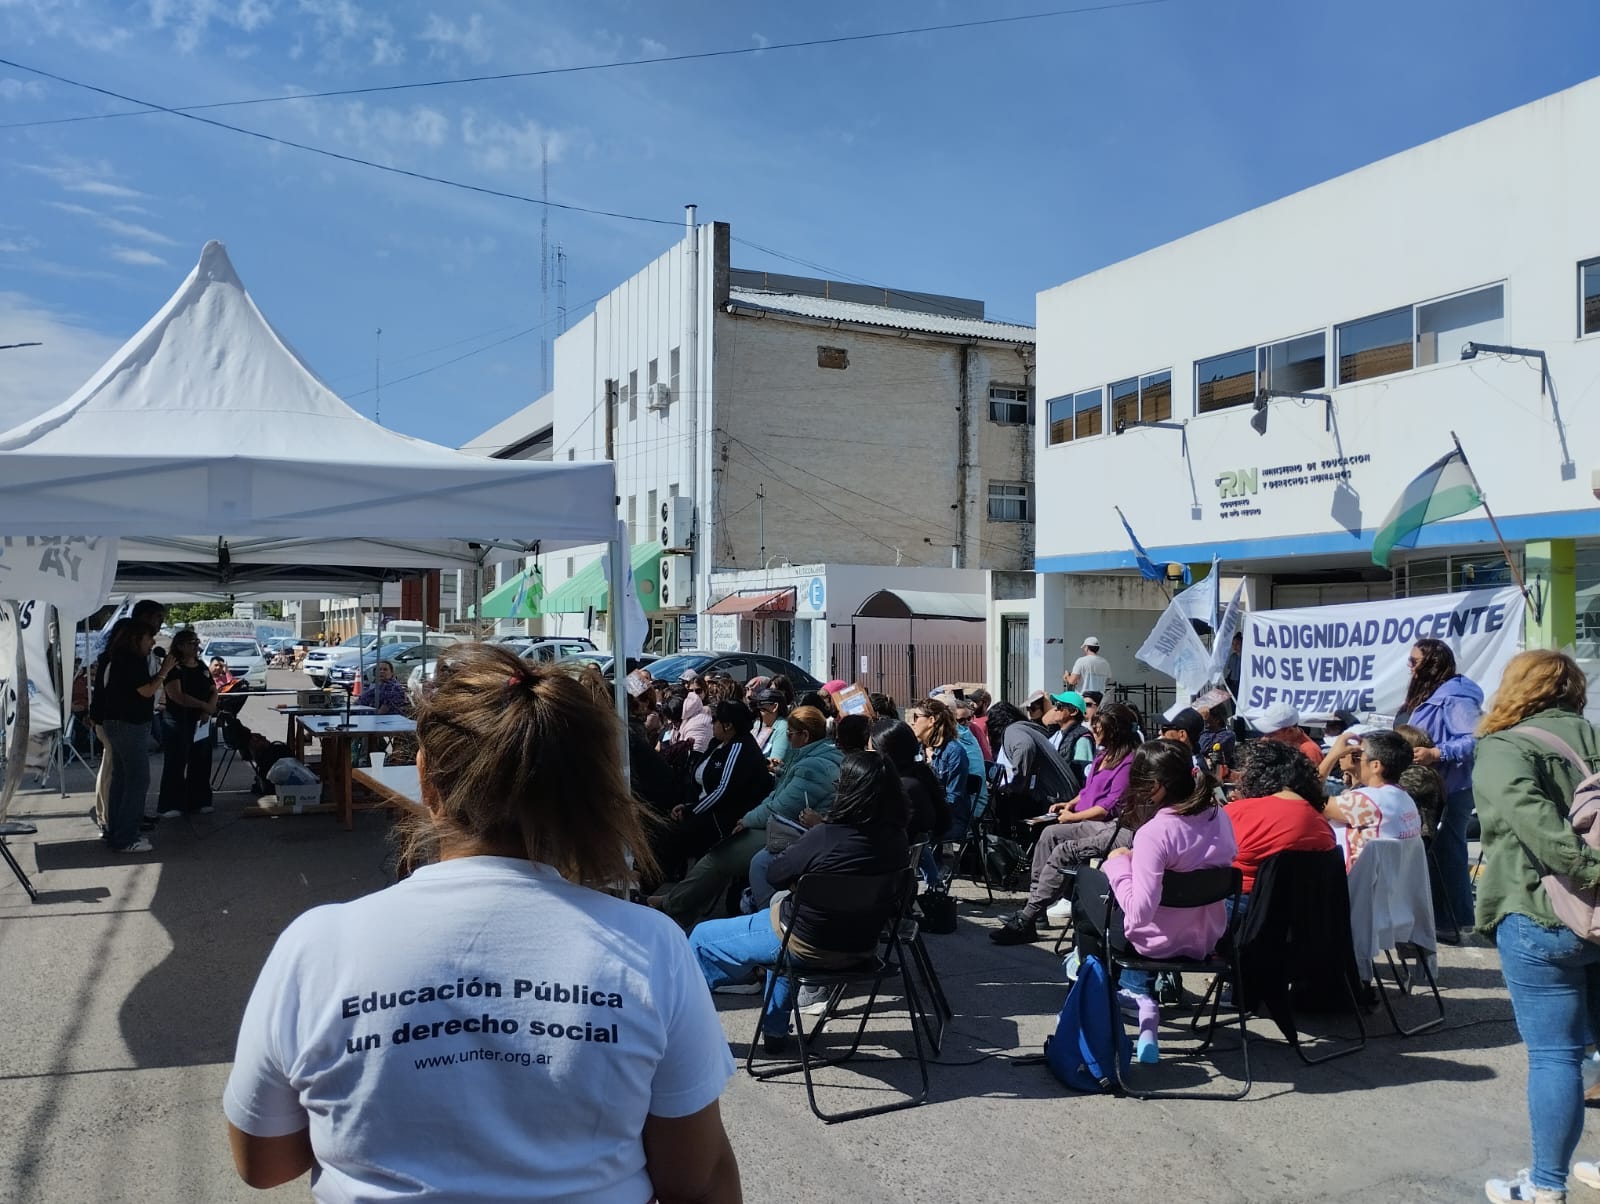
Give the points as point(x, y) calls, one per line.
point(1398, 340)
point(627, 393)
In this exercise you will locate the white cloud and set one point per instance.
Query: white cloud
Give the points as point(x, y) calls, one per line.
point(18, 89)
point(17, 246)
point(383, 128)
point(137, 258)
point(115, 225)
point(444, 36)
point(36, 378)
point(650, 48)
point(497, 145)
point(92, 179)
point(251, 15)
point(386, 52)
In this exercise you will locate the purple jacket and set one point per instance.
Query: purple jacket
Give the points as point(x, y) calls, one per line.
point(1450, 716)
point(1106, 787)
point(1172, 842)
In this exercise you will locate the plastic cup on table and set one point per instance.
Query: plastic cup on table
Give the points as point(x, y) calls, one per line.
point(377, 759)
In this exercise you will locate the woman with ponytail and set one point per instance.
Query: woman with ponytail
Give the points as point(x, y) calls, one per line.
point(497, 1026)
point(1177, 826)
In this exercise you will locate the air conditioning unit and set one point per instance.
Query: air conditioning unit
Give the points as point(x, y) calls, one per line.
point(677, 524)
point(659, 396)
point(677, 583)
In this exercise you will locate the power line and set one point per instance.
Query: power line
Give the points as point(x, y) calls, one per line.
point(340, 155)
point(693, 56)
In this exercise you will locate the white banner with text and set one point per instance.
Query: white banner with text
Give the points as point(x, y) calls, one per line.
point(1322, 659)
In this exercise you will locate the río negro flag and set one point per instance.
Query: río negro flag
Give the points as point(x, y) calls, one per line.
point(1446, 488)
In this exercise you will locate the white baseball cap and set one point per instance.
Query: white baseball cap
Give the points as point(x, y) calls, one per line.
point(1276, 718)
point(1092, 642)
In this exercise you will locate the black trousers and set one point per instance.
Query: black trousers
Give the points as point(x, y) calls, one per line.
point(185, 769)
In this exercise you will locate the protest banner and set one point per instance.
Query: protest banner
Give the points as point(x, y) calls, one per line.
point(38, 623)
point(1173, 648)
point(72, 573)
point(1321, 659)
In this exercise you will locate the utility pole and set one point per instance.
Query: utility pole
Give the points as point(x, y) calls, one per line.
point(761, 503)
point(544, 267)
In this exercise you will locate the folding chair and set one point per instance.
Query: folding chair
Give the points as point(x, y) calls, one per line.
point(235, 744)
point(976, 843)
point(1295, 947)
point(1391, 911)
point(17, 828)
point(1196, 888)
point(916, 949)
point(881, 894)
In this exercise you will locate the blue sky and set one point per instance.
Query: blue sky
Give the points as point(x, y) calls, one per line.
point(989, 163)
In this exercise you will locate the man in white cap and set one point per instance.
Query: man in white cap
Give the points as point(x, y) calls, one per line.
point(1281, 722)
point(1090, 671)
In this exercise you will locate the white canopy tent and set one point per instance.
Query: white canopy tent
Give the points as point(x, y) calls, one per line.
point(206, 442)
point(225, 466)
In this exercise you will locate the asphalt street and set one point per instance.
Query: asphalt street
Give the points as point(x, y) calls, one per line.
point(124, 985)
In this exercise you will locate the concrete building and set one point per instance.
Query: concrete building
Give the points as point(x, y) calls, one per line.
point(1165, 377)
point(760, 421)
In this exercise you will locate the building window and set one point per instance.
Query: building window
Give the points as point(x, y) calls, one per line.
point(1375, 346)
point(1294, 365)
point(633, 518)
point(1141, 399)
point(672, 380)
point(652, 515)
point(633, 395)
point(572, 453)
point(672, 491)
point(1589, 297)
point(1224, 381)
point(1008, 404)
point(1447, 325)
point(1009, 501)
point(1074, 416)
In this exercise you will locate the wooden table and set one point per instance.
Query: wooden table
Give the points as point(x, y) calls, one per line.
point(336, 734)
point(297, 734)
point(396, 786)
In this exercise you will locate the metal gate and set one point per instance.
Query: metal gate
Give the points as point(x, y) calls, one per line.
point(1013, 657)
point(906, 672)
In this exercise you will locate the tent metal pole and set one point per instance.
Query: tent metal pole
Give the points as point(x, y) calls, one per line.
point(619, 656)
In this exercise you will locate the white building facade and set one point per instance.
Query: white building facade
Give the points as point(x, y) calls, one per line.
point(790, 421)
point(1365, 290)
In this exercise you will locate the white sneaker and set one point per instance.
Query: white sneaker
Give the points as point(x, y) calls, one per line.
point(1587, 1173)
point(1520, 1189)
point(207, 809)
point(1060, 911)
point(139, 846)
point(172, 814)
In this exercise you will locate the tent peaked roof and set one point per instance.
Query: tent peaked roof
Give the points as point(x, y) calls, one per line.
point(208, 438)
point(209, 372)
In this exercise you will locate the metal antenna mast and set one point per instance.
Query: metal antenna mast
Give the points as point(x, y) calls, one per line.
point(377, 378)
point(544, 267)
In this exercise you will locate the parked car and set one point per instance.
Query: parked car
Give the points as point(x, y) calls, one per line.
point(544, 649)
point(604, 660)
point(319, 661)
point(244, 658)
point(741, 666)
point(404, 658)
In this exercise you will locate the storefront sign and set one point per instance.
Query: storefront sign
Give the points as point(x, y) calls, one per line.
point(1240, 491)
point(816, 594)
point(688, 633)
point(1321, 659)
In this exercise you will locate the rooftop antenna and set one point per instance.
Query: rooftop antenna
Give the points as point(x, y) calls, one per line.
point(377, 378)
point(544, 266)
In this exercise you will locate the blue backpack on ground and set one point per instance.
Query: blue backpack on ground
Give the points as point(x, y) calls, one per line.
point(1088, 1034)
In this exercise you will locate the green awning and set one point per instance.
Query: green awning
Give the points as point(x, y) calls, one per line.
point(501, 603)
point(587, 587)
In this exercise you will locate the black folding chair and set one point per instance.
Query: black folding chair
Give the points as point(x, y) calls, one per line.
point(935, 1016)
point(17, 828)
point(975, 843)
point(883, 895)
point(1196, 888)
point(235, 744)
point(1295, 949)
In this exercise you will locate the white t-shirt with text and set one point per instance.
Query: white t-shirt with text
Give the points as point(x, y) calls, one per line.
point(482, 1031)
point(1093, 671)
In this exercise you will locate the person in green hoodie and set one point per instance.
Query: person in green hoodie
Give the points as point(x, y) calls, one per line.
point(806, 782)
point(1523, 790)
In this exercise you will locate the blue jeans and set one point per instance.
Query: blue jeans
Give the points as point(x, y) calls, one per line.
point(128, 746)
point(761, 891)
point(1554, 979)
point(739, 950)
point(1454, 887)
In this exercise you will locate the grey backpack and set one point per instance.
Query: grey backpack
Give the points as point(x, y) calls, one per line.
point(1578, 907)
